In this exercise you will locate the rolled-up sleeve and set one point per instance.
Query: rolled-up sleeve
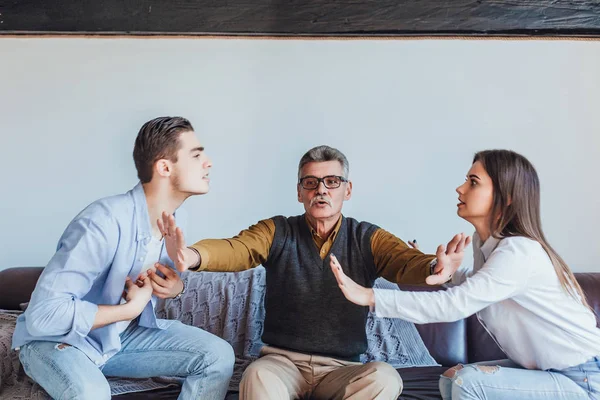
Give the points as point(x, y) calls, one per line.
point(85, 250)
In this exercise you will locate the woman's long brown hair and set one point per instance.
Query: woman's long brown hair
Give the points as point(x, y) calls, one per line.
point(516, 201)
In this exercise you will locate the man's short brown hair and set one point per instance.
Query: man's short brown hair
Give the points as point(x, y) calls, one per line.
point(158, 139)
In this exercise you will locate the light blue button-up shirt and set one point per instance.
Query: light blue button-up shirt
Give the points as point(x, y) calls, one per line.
point(104, 244)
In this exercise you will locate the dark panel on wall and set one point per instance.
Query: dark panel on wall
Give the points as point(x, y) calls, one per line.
point(302, 17)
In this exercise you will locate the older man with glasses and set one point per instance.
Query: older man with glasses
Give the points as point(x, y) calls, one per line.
point(314, 336)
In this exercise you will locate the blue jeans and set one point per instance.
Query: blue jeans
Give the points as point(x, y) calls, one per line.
point(204, 360)
point(509, 381)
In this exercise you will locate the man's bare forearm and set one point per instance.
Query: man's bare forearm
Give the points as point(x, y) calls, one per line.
point(107, 315)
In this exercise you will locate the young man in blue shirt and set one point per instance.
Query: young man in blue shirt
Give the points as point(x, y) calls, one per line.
point(92, 314)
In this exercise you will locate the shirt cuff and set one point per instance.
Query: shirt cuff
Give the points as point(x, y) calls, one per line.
point(85, 314)
point(432, 265)
point(203, 253)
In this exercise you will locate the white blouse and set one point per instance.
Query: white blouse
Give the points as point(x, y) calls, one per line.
point(518, 298)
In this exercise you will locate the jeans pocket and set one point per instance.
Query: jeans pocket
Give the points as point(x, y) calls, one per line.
point(24, 358)
point(593, 383)
point(586, 376)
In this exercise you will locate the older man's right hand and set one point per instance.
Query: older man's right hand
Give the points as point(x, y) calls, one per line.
point(182, 257)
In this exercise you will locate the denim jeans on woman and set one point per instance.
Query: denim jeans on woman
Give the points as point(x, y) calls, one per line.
point(509, 381)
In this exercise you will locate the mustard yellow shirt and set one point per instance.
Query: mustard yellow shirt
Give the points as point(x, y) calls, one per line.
point(394, 259)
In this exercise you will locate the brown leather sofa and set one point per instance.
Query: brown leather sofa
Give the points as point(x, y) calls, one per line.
point(463, 341)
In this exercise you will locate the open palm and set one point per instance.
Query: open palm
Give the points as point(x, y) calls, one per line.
point(449, 258)
point(352, 291)
point(174, 242)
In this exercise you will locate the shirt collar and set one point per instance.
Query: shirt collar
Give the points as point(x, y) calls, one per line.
point(488, 247)
point(144, 229)
point(333, 233)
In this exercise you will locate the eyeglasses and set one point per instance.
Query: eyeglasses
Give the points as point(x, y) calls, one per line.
point(330, 182)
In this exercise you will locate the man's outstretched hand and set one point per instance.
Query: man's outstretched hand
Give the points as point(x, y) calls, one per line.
point(182, 257)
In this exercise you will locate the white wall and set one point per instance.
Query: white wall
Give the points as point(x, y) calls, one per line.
point(409, 114)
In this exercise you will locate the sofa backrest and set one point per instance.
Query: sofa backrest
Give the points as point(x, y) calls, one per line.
point(446, 342)
point(16, 286)
point(480, 345)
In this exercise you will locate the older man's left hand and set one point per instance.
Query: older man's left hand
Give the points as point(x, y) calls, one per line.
point(164, 288)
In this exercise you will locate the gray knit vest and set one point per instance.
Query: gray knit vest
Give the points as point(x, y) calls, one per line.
point(305, 310)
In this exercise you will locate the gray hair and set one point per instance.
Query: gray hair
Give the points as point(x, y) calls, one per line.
point(323, 154)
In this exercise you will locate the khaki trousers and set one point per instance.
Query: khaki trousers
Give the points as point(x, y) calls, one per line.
point(282, 374)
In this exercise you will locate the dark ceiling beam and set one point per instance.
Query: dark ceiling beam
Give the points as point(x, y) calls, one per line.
point(302, 17)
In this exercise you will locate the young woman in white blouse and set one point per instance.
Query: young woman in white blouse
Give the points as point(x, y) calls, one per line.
point(522, 291)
